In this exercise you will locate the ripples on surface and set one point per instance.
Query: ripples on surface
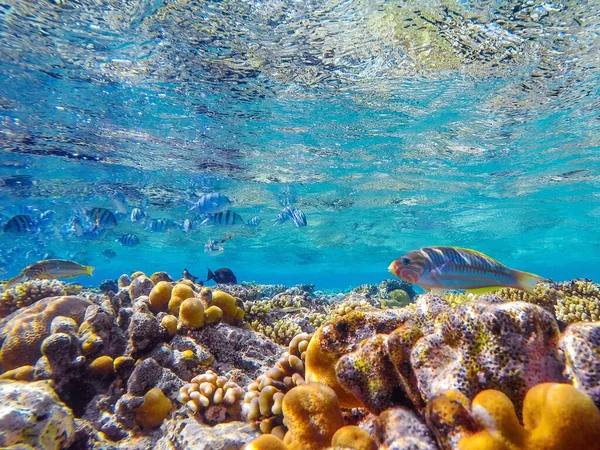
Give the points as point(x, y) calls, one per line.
point(393, 125)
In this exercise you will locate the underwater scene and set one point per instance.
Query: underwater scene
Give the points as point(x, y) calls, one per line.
point(300, 225)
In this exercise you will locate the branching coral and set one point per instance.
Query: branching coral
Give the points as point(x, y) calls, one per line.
point(263, 400)
point(213, 397)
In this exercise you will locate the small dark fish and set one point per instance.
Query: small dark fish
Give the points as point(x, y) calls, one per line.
point(222, 276)
point(101, 218)
point(109, 254)
point(20, 224)
point(129, 240)
point(188, 276)
point(224, 218)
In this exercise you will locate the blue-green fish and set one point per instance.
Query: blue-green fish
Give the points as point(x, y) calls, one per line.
point(448, 268)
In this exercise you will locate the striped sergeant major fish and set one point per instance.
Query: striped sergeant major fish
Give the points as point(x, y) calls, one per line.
point(224, 218)
point(448, 268)
point(129, 240)
point(211, 203)
point(20, 224)
point(50, 268)
point(291, 213)
point(102, 218)
point(160, 225)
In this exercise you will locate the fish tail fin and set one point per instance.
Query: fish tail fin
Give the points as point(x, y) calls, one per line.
point(89, 270)
point(526, 281)
point(15, 280)
point(210, 275)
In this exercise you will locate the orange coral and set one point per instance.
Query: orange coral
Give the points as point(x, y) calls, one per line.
point(266, 442)
point(555, 417)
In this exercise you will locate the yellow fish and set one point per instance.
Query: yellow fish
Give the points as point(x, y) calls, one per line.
point(448, 268)
point(50, 268)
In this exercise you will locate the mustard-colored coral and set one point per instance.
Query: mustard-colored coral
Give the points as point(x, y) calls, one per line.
point(213, 396)
point(555, 417)
point(232, 313)
point(266, 442)
point(191, 313)
point(226, 302)
point(169, 323)
point(213, 314)
point(353, 437)
point(27, 293)
point(154, 409)
point(160, 295)
point(103, 365)
point(23, 373)
point(179, 293)
point(312, 414)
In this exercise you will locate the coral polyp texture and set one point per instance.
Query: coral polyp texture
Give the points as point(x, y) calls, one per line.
point(173, 364)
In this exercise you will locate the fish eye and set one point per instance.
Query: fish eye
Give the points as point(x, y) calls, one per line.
point(405, 261)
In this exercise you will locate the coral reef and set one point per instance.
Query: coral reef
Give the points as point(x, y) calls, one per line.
point(173, 364)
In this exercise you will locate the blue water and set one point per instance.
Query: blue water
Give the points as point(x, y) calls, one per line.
point(393, 126)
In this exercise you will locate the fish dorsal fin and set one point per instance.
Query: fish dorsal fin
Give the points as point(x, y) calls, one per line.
point(475, 252)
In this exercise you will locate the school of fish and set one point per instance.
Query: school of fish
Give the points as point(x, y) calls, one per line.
point(124, 224)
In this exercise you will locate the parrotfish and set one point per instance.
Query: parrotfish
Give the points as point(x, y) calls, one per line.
point(447, 268)
point(50, 268)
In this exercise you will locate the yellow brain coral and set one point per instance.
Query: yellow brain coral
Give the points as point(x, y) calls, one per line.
point(555, 417)
point(312, 414)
